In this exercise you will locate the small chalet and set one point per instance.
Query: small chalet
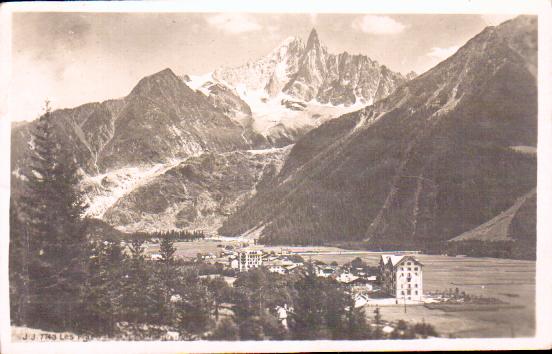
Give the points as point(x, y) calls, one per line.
point(324, 271)
point(345, 277)
point(280, 266)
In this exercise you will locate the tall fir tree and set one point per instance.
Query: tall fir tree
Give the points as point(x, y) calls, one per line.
point(135, 285)
point(193, 312)
point(103, 297)
point(167, 278)
point(335, 302)
point(167, 249)
point(56, 245)
point(309, 317)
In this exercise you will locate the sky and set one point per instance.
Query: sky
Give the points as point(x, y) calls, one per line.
point(75, 58)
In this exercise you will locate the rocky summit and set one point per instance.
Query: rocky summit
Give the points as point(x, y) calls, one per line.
point(325, 85)
point(309, 72)
point(341, 79)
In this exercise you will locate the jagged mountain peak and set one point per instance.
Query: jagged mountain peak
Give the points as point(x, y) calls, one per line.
point(313, 41)
point(340, 79)
point(309, 72)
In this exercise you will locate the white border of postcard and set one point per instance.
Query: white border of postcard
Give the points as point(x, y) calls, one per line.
point(542, 8)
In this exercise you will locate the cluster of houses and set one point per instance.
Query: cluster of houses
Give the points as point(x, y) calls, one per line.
point(399, 276)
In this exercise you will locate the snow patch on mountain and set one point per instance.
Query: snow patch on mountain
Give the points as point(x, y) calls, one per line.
point(269, 112)
point(197, 82)
point(277, 65)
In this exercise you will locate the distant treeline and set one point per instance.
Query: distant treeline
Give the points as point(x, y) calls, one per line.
point(496, 249)
point(290, 240)
point(472, 248)
point(175, 235)
point(100, 230)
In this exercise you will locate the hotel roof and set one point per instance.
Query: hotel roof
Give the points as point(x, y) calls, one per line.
point(396, 259)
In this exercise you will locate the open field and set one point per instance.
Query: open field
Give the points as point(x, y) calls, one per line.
point(512, 281)
point(191, 249)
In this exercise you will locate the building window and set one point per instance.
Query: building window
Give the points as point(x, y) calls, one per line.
point(415, 268)
point(415, 285)
point(416, 292)
point(402, 292)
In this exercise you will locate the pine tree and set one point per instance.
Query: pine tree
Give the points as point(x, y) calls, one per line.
point(167, 278)
point(167, 250)
point(193, 312)
point(56, 242)
point(103, 299)
point(246, 315)
point(135, 285)
point(335, 302)
point(356, 324)
point(220, 291)
point(309, 315)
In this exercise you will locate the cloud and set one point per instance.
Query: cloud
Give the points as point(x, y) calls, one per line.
point(443, 53)
point(233, 23)
point(378, 25)
point(496, 19)
point(63, 32)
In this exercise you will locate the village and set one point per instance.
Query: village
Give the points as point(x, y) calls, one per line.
point(396, 280)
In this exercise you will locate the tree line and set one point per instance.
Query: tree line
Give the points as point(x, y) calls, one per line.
point(176, 235)
point(513, 249)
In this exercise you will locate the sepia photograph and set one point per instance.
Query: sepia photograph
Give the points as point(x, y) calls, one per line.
point(247, 179)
